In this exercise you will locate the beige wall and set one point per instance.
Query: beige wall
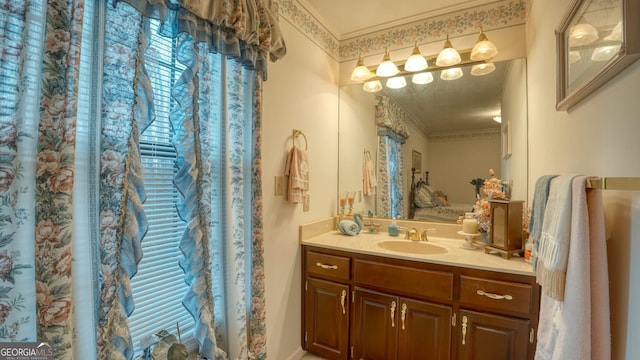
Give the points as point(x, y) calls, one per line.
point(598, 137)
point(301, 93)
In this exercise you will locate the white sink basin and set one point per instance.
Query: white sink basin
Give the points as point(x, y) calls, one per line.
point(411, 247)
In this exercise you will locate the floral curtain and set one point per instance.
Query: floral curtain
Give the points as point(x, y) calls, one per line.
point(220, 179)
point(38, 110)
point(392, 133)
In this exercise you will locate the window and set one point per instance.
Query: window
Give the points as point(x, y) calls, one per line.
point(158, 287)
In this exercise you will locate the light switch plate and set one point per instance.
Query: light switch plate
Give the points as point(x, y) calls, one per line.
point(278, 185)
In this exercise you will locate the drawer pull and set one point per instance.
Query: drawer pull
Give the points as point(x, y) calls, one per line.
point(342, 299)
point(464, 330)
point(393, 314)
point(494, 296)
point(326, 266)
point(403, 314)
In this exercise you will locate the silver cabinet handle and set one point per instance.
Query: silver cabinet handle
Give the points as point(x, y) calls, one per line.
point(464, 330)
point(393, 314)
point(403, 314)
point(494, 296)
point(325, 266)
point(342, 299)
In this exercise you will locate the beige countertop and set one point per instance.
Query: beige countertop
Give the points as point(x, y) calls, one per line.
point(455, 255)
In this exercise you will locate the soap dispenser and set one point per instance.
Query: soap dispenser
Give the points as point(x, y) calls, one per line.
point(394, 229)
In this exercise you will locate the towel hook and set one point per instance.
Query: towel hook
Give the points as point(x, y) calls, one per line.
point(297, 133)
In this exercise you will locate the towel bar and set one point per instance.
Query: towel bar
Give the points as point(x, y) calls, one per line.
point(614, 183)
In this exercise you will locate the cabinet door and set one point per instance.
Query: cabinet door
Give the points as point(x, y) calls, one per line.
point(375, 326)
point(425, 331)
point(327, 319)
point(492, 337)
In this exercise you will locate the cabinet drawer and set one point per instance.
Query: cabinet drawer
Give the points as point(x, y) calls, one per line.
point(496, 295)
point(420, 283)
point(328, 266)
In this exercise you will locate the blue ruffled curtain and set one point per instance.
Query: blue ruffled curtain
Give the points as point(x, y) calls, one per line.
point(225, 47)
point(390, 167)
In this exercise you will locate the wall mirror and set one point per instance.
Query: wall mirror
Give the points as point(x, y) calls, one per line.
point(450, 125)
point(596, 40)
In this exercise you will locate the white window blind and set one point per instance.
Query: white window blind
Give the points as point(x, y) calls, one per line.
point(158, 287)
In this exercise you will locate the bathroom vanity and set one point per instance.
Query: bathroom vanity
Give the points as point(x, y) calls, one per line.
point(419, 300)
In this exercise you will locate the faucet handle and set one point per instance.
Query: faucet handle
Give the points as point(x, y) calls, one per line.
point(424, 235)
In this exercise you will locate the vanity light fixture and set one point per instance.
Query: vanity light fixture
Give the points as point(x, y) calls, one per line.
point(451, 73)
point(582, 34)
point(483, 49)
point(448, 60)
point(397, 82)
point(422, 78)
point(361, 72)
point(497, 119)
point(448, 56)
point(387, 68)
point(416, 62)
point(482, 69)
point(372, 86)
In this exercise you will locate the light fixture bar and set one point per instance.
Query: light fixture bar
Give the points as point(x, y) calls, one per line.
point(431, 60)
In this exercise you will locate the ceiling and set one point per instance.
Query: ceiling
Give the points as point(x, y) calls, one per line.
point(466, 104)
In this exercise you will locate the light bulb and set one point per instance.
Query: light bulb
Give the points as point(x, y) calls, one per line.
point(397, 82)
point(605, 53)
point(422, 78)
point(483, 49)
point(416, 62)
point(482, 69)
point(451, 74)
point(372, 86)
point(582, 34)
point(387, 67)
point(361, 72)
point(448, 56)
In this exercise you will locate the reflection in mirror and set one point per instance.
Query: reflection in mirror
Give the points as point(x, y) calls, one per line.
point(450, 126)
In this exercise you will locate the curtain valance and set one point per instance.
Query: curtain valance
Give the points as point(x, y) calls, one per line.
point(391, 119)
point(246, 30)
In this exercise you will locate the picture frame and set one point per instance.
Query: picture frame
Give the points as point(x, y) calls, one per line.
point(595, 41)
point(416, 161)
point(506, 140)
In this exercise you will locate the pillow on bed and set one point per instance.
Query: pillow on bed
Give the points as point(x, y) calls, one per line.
point(440, 199)
point(423, 198)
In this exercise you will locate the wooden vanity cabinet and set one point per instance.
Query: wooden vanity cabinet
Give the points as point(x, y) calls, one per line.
point(406, 310)
point(485, 336)
point(390, 327)
point(326, 310)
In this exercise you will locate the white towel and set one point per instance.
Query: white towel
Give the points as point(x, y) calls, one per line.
point(553, 247)
point(369, 182)
point(297, 169)
point(578, 328)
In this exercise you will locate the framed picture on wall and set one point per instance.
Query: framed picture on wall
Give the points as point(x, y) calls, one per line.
point(506, 140)
point(416, 161)
point(596, 41)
